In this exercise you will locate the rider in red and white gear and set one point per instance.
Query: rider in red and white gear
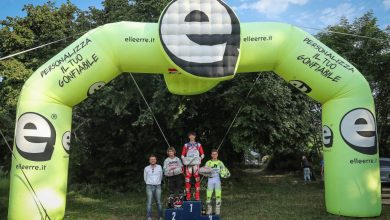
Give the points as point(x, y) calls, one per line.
point(194, 150)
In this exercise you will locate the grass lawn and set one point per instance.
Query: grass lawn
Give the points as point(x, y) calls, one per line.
point(252, 197)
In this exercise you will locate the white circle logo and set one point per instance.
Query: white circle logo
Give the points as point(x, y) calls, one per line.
point(327, 136)
point(35, 137)
point(358, 129)
point(201, 36)
point(66, 141)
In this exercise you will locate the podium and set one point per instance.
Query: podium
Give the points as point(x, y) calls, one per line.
point(191, 210)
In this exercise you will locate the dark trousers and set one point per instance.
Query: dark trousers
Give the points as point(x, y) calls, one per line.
point(175, 184)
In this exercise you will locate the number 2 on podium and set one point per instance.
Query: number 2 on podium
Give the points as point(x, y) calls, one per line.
point(173, 215)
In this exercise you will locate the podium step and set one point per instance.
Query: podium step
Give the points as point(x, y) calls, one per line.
point(191, 210)
point(210, 217)
point(174, 214)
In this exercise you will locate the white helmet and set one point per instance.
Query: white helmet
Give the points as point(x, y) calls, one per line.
point(225, 173)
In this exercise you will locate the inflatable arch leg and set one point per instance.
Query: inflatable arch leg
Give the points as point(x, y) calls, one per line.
point(189, 56)
point(352, 186)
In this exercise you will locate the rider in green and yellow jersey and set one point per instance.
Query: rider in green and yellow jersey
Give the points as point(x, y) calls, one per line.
point(214, 181)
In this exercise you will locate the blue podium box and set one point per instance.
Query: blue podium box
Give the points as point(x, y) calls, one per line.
point(210, 217)
point(191, 210)
point(174, 214)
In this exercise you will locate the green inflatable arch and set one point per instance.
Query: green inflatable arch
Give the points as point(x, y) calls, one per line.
point(196, 45)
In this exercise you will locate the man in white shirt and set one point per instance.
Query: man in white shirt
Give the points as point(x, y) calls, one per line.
point(153, 175)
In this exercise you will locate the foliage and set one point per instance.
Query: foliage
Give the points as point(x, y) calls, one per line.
point(14, 74)
point(42, 24)
point(371, 55)
point(114, 132)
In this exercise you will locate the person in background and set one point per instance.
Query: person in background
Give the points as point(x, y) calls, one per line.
point(153, 175)
point(306, 168)
point(193, 150)
point(173, 170)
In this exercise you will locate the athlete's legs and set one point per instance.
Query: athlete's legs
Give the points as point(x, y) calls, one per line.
point(179, 187)
point(218, 195)
point(188, 182)
point(171, 184)
point(197, 182)
point(179, 184)
point(210, 189)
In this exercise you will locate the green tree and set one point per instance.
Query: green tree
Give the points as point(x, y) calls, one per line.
point(370, 54)
point(122, 132)
point(42, 24)
point(14, 74)
point(114, 131)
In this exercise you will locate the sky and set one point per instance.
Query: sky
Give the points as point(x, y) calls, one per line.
point(303, 13)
